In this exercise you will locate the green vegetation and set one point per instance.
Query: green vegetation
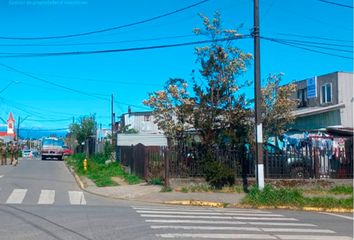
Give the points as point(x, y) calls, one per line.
point(99, 172)
point(218, 174)
point(274, 197)
point(156, 181)
point(342, 189)
point(166, 189)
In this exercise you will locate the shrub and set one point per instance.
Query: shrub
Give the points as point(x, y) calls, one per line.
point(156, 181)
point(218, 174)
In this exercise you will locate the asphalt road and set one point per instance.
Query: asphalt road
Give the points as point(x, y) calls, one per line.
point(41, 200)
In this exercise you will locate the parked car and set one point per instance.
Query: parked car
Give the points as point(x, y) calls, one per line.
point(290, 163)
point(67, 151)
point(26, 153)
point(52, 148)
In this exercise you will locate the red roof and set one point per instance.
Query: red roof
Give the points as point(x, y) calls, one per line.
point(11, 118)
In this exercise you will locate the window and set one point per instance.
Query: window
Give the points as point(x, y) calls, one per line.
point(326, 93)
point(302, 97)
point(146, 118)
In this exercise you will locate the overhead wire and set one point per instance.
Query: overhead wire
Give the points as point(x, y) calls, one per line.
point(52, 83)
point(69, 53)
point(305, 48)
point(336, 3)
point(107, 29)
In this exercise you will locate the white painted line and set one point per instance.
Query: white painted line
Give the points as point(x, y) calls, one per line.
point(1, 176)
point(312, 237)
point(206, 228)
point(216, 236)
point(213, 213)
point(77, 198)
point(46, 197)
point(255, 229)
point(219, 217)
point(301, 230)
point(228, 222)
point(282, 224)
point(337, 215)
point(17, 196)
point(201, 210)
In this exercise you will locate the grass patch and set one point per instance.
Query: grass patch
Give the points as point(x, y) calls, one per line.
point(101, 174)
point(342, 189)
point(274, 197)
point(166, 189)
point(156, 181)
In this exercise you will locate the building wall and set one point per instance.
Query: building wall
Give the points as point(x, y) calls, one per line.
point(346, 96)
point(142, 123)
point(321, 80)
point(318, 121)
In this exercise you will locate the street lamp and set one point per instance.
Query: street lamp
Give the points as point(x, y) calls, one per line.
point(8, 85)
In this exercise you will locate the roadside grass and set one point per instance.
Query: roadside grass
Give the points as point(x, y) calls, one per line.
point(292, 197)
point(99, 172)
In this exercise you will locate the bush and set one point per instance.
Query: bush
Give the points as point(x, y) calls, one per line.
point(218, 174)
point(156, 181)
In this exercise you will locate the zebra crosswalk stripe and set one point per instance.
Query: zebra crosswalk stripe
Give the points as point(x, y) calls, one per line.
point(46, 197)
point(187, 223)
point(17, 196)
point(77, 198)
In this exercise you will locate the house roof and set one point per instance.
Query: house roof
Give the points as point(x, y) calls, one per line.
point(309, 111)
point(11, 118)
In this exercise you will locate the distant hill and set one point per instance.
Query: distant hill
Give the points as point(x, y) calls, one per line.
point(38, 133)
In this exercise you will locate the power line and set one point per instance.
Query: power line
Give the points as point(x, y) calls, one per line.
point(106, 29)
point(52, 83)
point(94, 43)
point(308, 49)
point(315, 43)
point(22, 55)
point(313, 37)
point(309, 45)
point(337, 4)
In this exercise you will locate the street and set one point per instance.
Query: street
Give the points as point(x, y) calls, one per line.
point(41, 200)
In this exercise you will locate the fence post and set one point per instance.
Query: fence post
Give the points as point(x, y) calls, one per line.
point(167, 168)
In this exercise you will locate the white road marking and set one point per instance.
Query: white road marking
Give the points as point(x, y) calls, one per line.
point(1, 176)
point(337, 215)
point(46, 197)
point(312, 237)
point(229, 222)
point(251, 236)
point(213, 213)
point(216, 236)
point(201, 210)
point(77, 198)
point(256, 229)
point(17, 196)
point(220, 217)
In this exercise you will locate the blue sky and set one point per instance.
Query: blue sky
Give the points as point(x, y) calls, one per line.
point(131, 75)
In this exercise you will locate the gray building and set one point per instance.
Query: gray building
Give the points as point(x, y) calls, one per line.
point(143, 122)
point(324, 101)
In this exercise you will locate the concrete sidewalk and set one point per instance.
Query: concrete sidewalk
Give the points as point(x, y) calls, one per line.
point(152, 193)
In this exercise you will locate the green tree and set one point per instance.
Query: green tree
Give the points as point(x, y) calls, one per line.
point(84, 129)
point(277, 106)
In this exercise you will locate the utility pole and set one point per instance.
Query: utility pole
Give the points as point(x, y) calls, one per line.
point(18, 128)
point(112, 118)
point(258, 98)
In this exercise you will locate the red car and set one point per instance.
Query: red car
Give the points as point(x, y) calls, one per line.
point(67, 151)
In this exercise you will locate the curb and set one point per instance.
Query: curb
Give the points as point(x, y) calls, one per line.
point(197, 203)
point(306, 209)
point(77, 178)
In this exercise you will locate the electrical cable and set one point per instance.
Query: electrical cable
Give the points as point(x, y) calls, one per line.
point(308, 49)
point(52, 83)
point(24, 55)
point(337, 4)
point(106, 29)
